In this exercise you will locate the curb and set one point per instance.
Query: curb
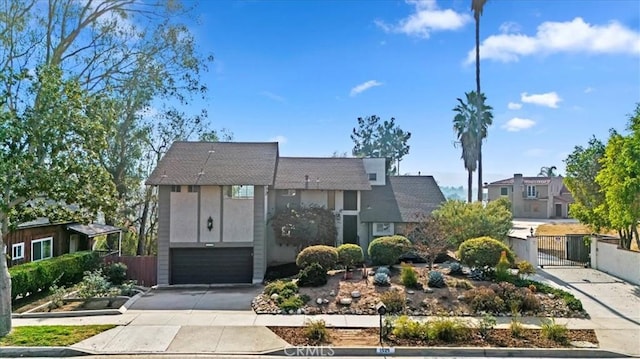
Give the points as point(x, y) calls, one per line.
point(311, 351)
point(200, 286)
point(35, 352)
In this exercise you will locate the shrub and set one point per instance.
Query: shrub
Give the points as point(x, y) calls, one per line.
point(65, 270)
point(394, 300)
point(502, 268)
point(483, 252)
point(387, 250)
point(312, 276)
point(57, 296)
point(325, 256)
point(408, 276)
point(350, 255)
point(459, 283)
point(530, 302)
point(436, 280)
point(572, 302)
point(293, 302)
point(384, 270)
point(448, 330)
point(456, 269)
point(381, 279)
point(556, 332)
point(280, 286)
point(487, 322)
point(485, 299)
point(116, 272)
point(407, 328)
point(516, 327)
point(94, 285)
point(316, 331)
point(525, 269)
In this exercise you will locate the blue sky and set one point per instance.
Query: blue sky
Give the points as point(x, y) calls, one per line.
point(301, 72)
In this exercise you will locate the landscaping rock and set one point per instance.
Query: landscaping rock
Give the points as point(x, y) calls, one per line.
point(291, 311)
point(409, 291)
point(355, 294)
point(325, 301)
point(332, 293)
point(346, 301)
point(428, 290)
point(461, 298)
point(274, 296)
point(319, 301)
point(299, 311)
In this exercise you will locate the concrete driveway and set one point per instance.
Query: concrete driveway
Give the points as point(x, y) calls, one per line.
point(234, 298)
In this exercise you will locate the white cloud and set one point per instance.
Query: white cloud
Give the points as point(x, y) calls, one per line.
point(514, 105)
point(509, 27)
point(536, 152)
point(549, 99)
point(272, 96)
point(518, 124)
point(589, 89)
point(364, 87)
point(553, 37)
point(426, 19)
point(280, 139)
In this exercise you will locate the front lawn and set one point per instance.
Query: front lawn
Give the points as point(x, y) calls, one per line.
point(51, 335)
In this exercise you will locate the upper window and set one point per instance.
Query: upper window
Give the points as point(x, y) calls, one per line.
point(241, 191)
point(373, 176)
point(17, 251)
point(504, 191)
point(42, 249)
point(531, 191)
point(192, 188)
point(176, 188)
point(350, 200)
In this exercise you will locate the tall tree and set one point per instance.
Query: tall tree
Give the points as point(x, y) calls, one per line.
point(428, 237)
point(582, 167)
point(548, 171)
point(477, 6)
point(50, 160)
point(471, 126)
point(374, 138)
point(620, 180)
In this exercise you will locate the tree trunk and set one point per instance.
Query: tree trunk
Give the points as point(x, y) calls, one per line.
point(480, 171)
point(478, 109)
point(5, 283)
point(469, 185)
point(142, 237)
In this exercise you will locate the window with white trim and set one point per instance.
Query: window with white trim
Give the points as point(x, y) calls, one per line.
point(380, 229)
point(240, 192)
point(504, 191)
point(41, 249)
point(373, 176)
point(531, 191)
point(17, 251)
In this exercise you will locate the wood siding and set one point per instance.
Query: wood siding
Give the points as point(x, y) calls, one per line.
point(27, 235)
point(259, 234)
point(164, 230)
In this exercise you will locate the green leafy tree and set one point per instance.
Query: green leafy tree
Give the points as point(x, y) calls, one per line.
point(461, 221)
point(582, 167)
point(50, 160)
point(620, 180)
point(471, 123)
point(477, 6)
point(374, 138)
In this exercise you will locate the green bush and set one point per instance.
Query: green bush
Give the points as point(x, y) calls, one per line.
point(394, 300)
point(116, 273)
point(483, 252)
point(553, 331)
point(312, 276)
point(485, 299)
point(65, 270)
point(408, 276)
point(407, 328)
point(572, 302)
point(325, 256)
point(387, 250)
point(316, 331)
point(94, 285)
point(280, 286)
point(525, 268)
point(293, 302)
point(448, 330)
point(350, 255)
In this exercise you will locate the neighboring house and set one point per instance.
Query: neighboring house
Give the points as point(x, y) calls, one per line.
point(533, 197)
point(40, 239)
point(215, 200)
point(387, 209)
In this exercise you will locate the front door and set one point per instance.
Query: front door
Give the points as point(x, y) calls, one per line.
point(350, 229)
point(558, 210)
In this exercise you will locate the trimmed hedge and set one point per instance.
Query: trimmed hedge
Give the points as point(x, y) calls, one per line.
point(350, 255)
point(325, 256)
point(387, 250)
point(67, 269)
point(483, 252)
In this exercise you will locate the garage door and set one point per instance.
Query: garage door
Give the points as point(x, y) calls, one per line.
point(211, 265)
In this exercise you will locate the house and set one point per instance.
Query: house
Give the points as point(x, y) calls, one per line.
point(533, 197)
point(40, 239)
point(215, 201)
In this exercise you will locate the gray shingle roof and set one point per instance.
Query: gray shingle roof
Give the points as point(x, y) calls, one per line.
point(329, 173)
point(401, 199)
point(217, 163)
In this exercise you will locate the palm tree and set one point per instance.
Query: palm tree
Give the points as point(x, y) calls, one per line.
point(478, 6)
point(470, 130)
point(547, 172)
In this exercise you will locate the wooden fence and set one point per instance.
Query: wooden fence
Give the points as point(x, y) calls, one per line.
point(140, 268)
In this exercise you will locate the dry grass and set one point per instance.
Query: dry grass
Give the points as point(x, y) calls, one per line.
point(561, 229)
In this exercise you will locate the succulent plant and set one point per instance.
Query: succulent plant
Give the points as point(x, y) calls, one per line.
point(384, 270)
point(476, 274)
point(436, 280)
point(381, 279)
point(455, 268)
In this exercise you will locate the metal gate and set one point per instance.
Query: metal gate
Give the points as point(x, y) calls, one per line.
point(568, 251)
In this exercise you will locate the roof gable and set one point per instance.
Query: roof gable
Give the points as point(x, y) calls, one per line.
point(324, 173)
point(217, 163)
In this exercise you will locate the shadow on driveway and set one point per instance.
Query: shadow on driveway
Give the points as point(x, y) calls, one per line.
point(198, 299)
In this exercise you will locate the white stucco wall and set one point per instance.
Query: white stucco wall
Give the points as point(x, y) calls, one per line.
point(237, 220)
point(210, 206)
point(377, 166)
point(607, 257)
point(184, 216)
point(313, 197)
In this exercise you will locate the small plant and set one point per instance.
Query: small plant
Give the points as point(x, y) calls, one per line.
point(486, 324)
point(525, 269)
point(325, 256)
point(128, 288)
point(516, 327)
point(293, 302)
point(312, 276)
point(316, 331)
point(394, 300)
point(448, 330)
point(530, 302)
point(459, 283)
point(477, 274)
point(532, 288)
point(407, 328)
point(553, 331)
point(381, 279)
point(485, 299)
point(408, 276)
point(57, 295)
point(94, 285)
point(116, 273)
point(280, 286)
point(384, 270)
point(456, 269)
point(436, 280)
point(502, 268)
